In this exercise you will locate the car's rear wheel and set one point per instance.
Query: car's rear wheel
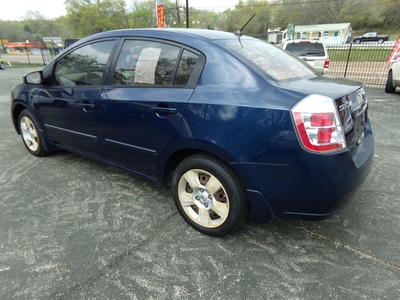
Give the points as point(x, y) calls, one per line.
point(209, 195)
point(2, 66)
point(30, 134)
point(389, 88)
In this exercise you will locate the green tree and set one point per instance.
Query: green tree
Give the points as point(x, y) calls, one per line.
point(391, 14)
point(202, 19)
point(244, 10)
point(144, 14)
point(91, 16)
point(13, 31)
point(322, 11)
point(36, 25)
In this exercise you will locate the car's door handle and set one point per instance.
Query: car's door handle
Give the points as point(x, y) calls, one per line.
point(86, 106)
point(163, 110)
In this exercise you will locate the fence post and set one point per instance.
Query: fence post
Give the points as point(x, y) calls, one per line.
point(41, 52)
point(27, 55)
point(347, 62)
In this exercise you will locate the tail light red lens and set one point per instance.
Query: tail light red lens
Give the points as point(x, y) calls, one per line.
point(318, 124)
point(322, 119)
point(326, 64)
point(325, 135)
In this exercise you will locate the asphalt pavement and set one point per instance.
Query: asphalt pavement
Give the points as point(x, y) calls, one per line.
point(72, 228)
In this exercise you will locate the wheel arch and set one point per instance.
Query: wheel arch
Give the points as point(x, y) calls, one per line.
point(16, 110)
point(259, 208)
point(178, 151)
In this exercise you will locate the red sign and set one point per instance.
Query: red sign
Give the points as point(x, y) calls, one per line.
point(396, 50)
point(160, 16)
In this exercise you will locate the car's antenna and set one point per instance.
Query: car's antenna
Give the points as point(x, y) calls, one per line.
point(238, 33)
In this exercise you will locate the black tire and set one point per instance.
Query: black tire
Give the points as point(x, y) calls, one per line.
point(380, 41)
point(2, 66)
point(30, 134)
point(357, 41)
point(389, 88)
point(216, 207)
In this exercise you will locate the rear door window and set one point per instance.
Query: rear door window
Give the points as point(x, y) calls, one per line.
point(145, 63)
point(155, 63)
point(185, 68)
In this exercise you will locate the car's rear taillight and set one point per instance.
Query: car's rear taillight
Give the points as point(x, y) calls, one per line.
point(318, 124)
point(326, 64)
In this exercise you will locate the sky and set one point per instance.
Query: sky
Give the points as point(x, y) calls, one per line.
point(17, 9)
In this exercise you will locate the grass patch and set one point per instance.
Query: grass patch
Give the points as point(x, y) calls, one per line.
point(25, 66)
point(359, 55)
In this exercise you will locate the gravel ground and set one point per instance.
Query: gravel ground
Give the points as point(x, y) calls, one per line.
point(71, 228)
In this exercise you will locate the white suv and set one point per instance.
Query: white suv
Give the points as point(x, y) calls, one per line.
point(311, 51)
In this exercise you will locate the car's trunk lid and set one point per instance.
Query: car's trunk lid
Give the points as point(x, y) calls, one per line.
point(351, 102)
point(353, 110)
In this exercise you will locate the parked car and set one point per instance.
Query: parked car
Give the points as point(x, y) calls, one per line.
point(2, 64)
point(312, 51)
point(69, 42)
point(234, 125)
point(371, 37)
point(393, 80)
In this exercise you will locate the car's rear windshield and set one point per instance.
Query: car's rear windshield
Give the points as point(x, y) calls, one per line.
point(306, 49)
point(275, 62)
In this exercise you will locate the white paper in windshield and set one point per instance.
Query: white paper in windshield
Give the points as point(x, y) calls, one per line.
point(146, 65)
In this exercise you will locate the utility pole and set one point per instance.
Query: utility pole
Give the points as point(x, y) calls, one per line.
point(2, 43)
point(187, 13)
point(178, 13)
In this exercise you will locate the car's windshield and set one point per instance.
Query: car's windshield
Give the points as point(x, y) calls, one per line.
point(277, 63)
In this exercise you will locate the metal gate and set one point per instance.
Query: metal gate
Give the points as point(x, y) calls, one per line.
point(364, 62)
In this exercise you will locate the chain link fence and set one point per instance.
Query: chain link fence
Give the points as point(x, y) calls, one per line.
point(364, 62)
point(29, 57)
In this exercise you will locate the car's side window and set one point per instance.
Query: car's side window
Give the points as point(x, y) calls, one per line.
point(146, 63)
point(83, 66)
point(186, 65)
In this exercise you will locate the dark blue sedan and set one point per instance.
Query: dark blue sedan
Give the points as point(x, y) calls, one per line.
point(235, 126)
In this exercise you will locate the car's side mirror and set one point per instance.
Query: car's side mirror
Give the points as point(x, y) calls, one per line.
point(33, 77)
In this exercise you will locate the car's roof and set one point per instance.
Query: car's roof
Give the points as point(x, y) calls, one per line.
point(168, 33)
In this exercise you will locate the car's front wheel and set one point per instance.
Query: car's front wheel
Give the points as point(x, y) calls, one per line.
point(357, 41)
point(209, 195)
point(2, 66)
point(30, 134)
point(389, 88)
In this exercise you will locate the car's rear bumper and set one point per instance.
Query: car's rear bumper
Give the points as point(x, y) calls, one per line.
point(396, 83)
point(311, 186)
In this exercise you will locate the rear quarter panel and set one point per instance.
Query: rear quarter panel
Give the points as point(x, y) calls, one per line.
point(237, 115)
point(396, 74)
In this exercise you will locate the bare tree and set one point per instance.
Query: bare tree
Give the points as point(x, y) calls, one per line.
point(391, 14)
